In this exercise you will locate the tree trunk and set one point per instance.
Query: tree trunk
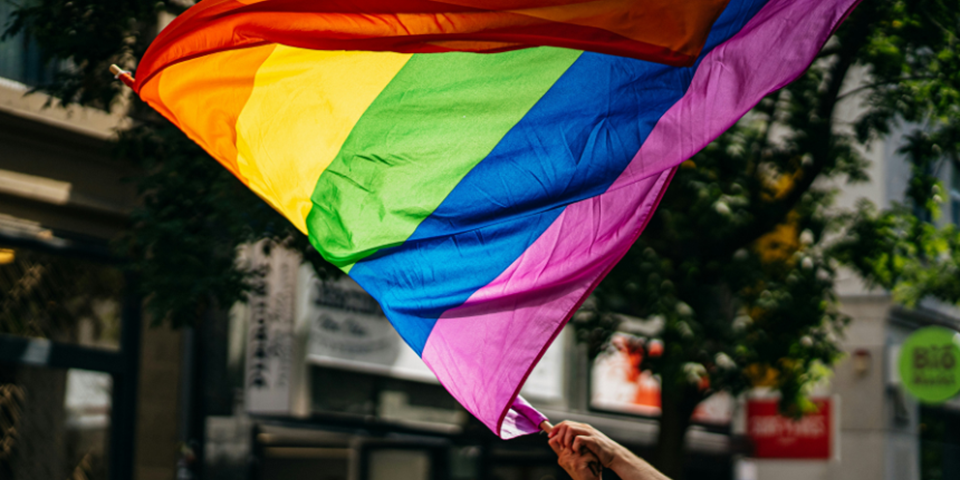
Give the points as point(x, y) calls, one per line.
point(677, 407)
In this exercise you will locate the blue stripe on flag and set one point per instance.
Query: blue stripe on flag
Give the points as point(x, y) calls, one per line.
point(570, 146)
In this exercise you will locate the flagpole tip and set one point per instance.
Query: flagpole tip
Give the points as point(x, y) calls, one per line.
point(121, 74)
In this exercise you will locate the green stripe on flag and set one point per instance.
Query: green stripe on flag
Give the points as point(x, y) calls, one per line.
point(437, 119)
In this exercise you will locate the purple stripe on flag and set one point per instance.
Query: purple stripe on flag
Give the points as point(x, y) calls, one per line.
point(484, 350)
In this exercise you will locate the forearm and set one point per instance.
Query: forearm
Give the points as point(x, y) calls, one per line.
point(577, 437)
point(631, 467)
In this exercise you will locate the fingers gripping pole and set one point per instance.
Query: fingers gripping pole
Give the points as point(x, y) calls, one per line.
point(123, 75)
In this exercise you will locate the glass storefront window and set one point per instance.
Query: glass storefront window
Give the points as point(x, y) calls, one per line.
point(58, 298)
point(527, 472)
point(619, 384)
point(54, 423)
point(343, 391)
point(395, 464)
point(20, 57)
point(939, 443)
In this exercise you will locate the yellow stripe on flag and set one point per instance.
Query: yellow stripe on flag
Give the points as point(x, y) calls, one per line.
point(303, 106)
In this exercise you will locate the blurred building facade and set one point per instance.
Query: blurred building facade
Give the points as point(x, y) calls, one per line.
point(308, 379)
point(326, 388)
point(878, 431)
point(85, 391)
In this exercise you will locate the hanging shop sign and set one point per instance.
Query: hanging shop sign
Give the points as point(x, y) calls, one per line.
point(348, 330)
point(930, 364)
point(776, 436)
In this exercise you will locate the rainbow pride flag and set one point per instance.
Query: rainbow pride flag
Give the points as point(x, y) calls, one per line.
point(478, 167)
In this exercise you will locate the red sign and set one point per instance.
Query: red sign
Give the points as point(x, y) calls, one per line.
point(776, 436)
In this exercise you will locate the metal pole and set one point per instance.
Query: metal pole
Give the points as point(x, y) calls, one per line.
point(123, 415)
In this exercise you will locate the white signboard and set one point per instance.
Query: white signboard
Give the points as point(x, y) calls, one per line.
point(271, 370)
point(349, 331)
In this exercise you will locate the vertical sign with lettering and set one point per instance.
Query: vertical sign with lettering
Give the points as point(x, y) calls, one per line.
point(270, 369)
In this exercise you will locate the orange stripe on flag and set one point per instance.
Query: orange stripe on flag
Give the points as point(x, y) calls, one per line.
point(206, 107)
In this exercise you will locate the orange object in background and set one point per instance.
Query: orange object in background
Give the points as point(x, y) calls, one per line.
point(620, 384)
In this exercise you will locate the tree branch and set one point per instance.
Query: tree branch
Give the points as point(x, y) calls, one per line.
point(930, 18)
point(821, 151)
point(880, 84)
point(826, 52)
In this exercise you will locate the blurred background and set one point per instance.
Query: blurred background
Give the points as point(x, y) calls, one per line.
point(159, 322)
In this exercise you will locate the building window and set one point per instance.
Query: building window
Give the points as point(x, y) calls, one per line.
point(20, 57)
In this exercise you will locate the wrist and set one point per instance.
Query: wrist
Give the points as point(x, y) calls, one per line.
point(622, 458)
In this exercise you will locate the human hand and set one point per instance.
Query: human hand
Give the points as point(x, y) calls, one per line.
point(583, 439)
point(579, 464)
point(578, 436)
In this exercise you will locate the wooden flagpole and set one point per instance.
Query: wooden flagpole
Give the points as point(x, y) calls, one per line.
point(546, 426)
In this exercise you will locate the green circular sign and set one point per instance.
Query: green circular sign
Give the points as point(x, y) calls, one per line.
point(930, 364)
